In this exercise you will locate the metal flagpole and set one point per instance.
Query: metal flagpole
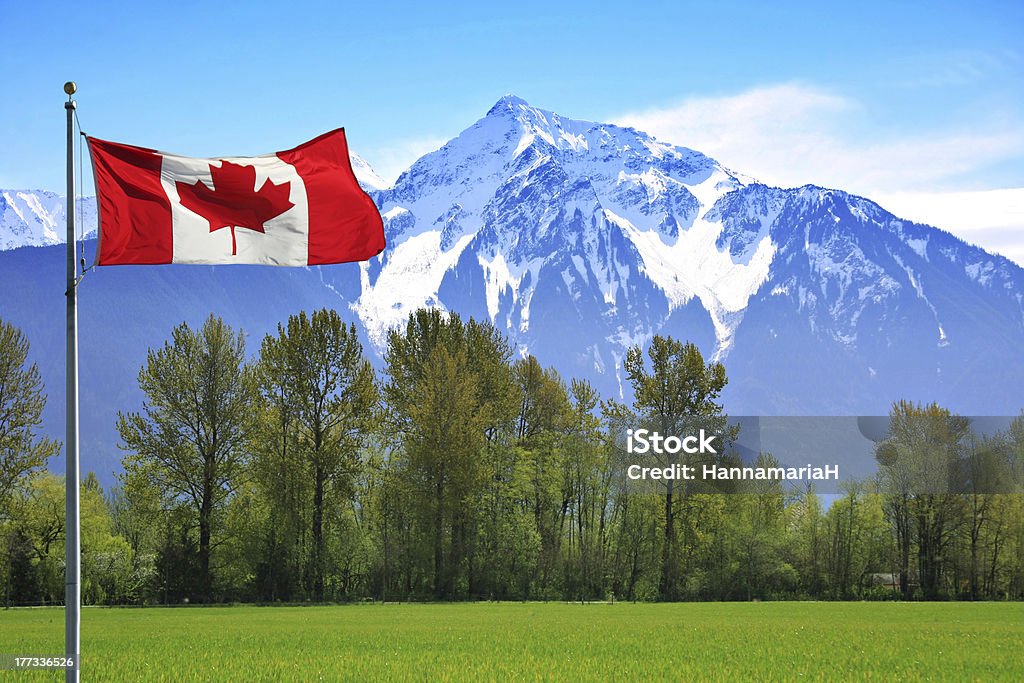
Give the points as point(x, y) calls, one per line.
point(72, 550)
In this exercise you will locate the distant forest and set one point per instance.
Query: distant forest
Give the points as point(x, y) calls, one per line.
point(459, 472)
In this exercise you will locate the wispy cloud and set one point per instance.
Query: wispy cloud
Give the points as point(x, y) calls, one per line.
point(954, 67)
point(792, 134)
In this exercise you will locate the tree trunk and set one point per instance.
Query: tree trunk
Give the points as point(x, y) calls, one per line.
point(666, 585)
point(438, 545)
point(320, 478)
point(205, 523)
point(903, 539)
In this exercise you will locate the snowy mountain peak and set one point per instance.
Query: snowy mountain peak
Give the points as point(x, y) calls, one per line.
point(544, 128)
point(365, 174)
point(524, 188)
point(508, 103)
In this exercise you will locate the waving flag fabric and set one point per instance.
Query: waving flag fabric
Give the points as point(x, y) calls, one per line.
point(294, 208)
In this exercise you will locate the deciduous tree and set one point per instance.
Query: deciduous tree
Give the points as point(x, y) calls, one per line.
point(679, 385)
point(191, 434)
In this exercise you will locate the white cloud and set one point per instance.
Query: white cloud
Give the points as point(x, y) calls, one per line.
point(776, 133)
point(992, 219)
point(390, 160)
point(793, 134)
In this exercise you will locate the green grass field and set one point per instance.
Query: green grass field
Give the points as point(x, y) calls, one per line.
point(535, 641)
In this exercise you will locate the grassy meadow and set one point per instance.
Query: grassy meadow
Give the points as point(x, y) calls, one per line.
point(534, 641)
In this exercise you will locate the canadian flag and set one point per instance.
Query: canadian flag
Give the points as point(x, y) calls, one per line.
point(294, 208)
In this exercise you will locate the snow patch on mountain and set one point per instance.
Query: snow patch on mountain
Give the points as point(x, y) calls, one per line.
point(694, 266)
point(502, 278)
point(980, 272)
point(419, 263)
point(918, 287)
point(35, 218)
point(920, 246)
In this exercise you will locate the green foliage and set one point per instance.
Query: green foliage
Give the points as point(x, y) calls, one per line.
point(467, 474)
point(679, 383)
point(21, 406)
point(677, 396)
point(37, 542)
point(449, 397)
point(190, 438)
point(320, 401)
point(932, 467)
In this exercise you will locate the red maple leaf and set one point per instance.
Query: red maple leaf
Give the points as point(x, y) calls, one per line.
point(234, 201)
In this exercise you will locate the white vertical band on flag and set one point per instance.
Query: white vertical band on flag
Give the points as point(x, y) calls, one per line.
point(286, 237)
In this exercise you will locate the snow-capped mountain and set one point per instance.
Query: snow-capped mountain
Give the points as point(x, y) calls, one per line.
point(36, 218)
point(578, 240)
point(365, 174)
point(524, 190)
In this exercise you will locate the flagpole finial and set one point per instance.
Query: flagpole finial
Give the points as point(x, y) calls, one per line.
point(70, 88)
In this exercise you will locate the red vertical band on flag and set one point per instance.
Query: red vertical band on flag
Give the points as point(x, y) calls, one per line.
point(134, 212)
point(344, 224)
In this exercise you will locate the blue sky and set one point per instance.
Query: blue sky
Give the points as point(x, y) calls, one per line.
point(917, 105)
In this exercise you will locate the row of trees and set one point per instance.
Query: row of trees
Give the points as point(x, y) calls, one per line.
point(462, 473)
